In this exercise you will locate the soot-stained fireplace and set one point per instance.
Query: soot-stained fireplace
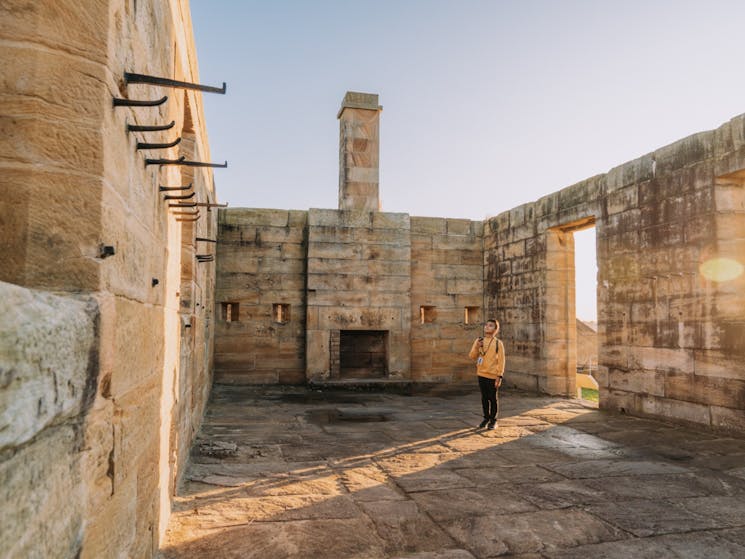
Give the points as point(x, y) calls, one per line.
point(361, 354)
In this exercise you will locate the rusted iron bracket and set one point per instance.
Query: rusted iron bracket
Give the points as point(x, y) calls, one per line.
point(145, 145)
point(167, 82)
point(153, 128)
point(182, 161)
point(135, 103)
point(162, 188)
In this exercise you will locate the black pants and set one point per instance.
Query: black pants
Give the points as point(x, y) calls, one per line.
point(489, 398)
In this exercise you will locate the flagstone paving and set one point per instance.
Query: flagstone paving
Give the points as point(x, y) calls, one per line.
point(285, 472)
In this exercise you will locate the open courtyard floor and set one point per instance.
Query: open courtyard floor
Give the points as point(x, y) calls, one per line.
point(295, 472)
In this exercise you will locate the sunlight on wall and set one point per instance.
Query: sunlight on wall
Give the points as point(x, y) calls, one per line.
point(721, 269)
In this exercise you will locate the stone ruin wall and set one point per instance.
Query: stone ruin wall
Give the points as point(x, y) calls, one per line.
point(344, 270)
point(671, 341)
point(447, 273)
point(261, 261)
point(105, 376)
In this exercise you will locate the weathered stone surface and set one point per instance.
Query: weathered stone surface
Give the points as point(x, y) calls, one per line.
point(694, 545)
point(532, 532)
point(48, 360)
point(382, 496)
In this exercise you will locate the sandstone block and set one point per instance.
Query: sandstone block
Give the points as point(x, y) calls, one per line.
point(49, 358)
point(43, 498)
point(429, 225)
point(57, 26)
point(636, 381)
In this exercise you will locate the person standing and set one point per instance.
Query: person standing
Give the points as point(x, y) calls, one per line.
point(488, 352)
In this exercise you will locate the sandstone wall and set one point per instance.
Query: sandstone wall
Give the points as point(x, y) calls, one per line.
point(48, 366)
point(359, 278)
point(72, 181)
point(446, 274)
point(670, 337)
point(261, 261)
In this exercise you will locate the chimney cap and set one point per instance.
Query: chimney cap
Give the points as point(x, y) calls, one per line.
point(357, 100)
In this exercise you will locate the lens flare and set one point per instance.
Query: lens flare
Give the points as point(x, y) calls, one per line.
point(721, 269)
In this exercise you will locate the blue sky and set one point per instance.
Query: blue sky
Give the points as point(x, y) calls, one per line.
point(487, 104)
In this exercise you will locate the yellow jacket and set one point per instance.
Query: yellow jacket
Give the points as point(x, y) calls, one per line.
point(492, 365)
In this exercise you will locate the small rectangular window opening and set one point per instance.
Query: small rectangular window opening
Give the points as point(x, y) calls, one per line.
point(281, 312)
point(230, 312)
point(427, 314)
point(471, 315)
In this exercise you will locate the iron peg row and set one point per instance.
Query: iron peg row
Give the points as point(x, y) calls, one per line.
point(118, 102)
point(167, 82)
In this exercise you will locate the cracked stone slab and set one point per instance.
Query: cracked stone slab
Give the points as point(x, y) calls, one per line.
point(442, 554)
point(403, 527)
point(562, 494)
point(451, 504)
point(533, 532)
point(658, 487)
point(320, 539)
point(508, 475)
point(648, 518)
point(609, 468)
point(694, 545)
point(727, 512)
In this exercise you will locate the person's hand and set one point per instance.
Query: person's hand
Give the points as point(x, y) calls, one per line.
point(498, 382)
point(481, 342)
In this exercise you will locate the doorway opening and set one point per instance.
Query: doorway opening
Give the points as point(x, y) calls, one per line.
point(563, 348)
point(586, 313)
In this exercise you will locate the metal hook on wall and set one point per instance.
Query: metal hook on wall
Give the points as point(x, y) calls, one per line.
point(167, 82)
point(182, 161)
point(210, 205)
point(118, 102)
point(179, 197)
point(162, 188)
point(146, 128)
point(206, 240)
point(145, 145)
point(183, 205)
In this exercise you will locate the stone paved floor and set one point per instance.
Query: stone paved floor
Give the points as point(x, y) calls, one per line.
point(344, 474)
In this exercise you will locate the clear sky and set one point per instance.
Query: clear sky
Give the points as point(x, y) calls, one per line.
point(488, 104)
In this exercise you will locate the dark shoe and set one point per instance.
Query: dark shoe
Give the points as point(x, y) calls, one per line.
point(493, 424)
point(483, 424)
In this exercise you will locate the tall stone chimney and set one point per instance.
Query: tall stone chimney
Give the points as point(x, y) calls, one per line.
point(359, 145)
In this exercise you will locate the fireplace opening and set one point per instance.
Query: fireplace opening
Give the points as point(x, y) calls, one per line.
point(363, 353)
